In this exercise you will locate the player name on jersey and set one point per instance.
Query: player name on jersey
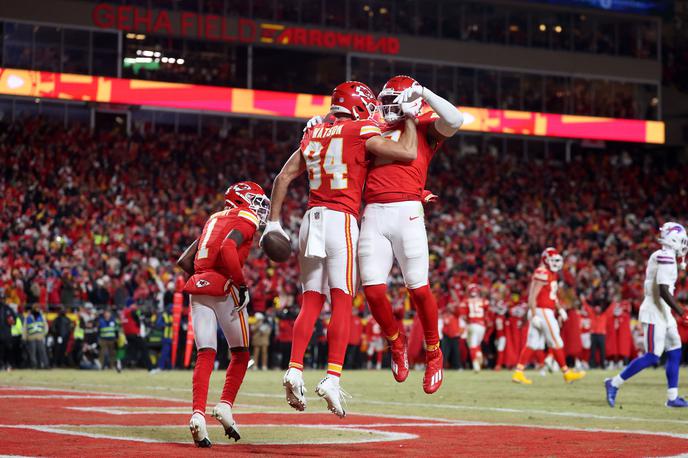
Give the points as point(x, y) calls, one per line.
point(324, 132)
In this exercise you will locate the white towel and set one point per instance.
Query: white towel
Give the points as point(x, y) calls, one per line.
point(315, 245)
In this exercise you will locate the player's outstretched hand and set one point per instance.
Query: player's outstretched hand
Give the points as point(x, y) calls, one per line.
point(313, 121)
point(244, 299)
point(563, 315)
point(273, 226)
point(427, 197)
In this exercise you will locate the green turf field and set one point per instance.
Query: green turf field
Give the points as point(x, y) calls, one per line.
point(486, 397)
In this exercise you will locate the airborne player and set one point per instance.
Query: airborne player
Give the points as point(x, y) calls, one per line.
point(543, 302)
point(336, 157)
point(393, 225)
point(219, 295)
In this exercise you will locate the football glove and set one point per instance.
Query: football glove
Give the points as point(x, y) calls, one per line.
point(313, 121)
point(427, 197)
point(244, 299)
point(563, 315)
point(536, 322)
point(273, 226)
point(411, 100)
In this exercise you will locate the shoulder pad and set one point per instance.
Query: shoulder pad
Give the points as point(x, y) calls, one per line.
point(250, 216)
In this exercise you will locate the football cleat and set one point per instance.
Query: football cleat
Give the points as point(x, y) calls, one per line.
point(571, 376)
point(331, 392)
point(520, 377)
point(293, 386)
point(678, 402)
point(223, 413)
point(199, 431)
point(434, 362)
point(611, 392)
point(400, 365)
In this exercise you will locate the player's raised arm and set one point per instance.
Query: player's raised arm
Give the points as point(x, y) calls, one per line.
point(294, 167)
point(449, 119)
point(405, 150)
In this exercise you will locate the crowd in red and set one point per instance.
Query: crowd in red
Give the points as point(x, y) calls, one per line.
point(102, 217)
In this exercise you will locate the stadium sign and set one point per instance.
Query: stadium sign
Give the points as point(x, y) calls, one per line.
point(231, 29)
point(288, 105)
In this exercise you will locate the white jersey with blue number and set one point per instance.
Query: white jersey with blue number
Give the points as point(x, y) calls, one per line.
point(662, 269)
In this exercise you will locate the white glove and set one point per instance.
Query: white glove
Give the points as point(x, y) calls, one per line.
point(411, 100)
point(536, 322)
point(273, 226)
point(312, 122)
point(563, 315)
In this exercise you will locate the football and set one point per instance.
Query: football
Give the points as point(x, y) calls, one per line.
point(276, 246)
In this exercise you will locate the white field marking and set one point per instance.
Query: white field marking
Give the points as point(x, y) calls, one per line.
point(61, 396)
point(522, 411)
point(382, 436)
point(418, 404)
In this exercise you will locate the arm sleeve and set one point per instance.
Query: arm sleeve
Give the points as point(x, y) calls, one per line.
point(369, 129)
point(231, 261)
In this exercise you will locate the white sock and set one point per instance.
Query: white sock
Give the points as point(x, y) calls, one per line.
point(334, 378)
point(672, 393)
point(617, 381)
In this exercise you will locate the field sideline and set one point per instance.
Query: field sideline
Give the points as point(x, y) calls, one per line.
point(479, 401)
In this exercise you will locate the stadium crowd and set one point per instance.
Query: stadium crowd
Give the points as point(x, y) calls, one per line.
point(93, 222)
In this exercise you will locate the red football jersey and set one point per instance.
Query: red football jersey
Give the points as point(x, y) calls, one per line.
point(402, 181)
point(337, 163)
point(474, 309)
point(547, 297)
point(216, 229)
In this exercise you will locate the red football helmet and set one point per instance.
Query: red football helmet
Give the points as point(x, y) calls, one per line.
point(250, 195)
point(473, 290)
point(552, 259)
point(354, 99)
point(391, 111)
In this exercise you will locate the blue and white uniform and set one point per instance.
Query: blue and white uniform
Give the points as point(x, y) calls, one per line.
point(659, 325)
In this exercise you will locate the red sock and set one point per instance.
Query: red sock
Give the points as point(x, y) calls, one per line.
point(473, 352)
point(500, 360)
point(381, 308)
point(379, 357)
point(524, 359)
point(303, 326)
point(539, 357)
point(235, 375)
point(205, 359)
point(426, 307)
point(338, 330)
point(560, 357)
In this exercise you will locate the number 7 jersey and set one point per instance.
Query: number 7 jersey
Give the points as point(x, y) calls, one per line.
point(337, 163)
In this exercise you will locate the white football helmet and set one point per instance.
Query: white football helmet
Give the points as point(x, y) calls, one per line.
point(673, 237)
point(552, 259)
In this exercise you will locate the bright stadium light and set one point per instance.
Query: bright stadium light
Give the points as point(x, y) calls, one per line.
point(171, 60)
point(180, 61)
point(543, 27)
point(148, 53)
point(558, 29)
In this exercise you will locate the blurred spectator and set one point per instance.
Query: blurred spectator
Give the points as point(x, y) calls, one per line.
point(7, 320)
point(61, 329)
point(260, 340)
point(35, 331)
point(108, 330)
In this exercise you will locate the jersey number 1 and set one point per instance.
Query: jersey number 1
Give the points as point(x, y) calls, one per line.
point(333, 164)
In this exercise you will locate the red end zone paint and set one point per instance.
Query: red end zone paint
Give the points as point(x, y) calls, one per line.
point(19, 407)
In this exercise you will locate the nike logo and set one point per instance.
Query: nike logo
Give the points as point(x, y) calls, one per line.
point(411, 218)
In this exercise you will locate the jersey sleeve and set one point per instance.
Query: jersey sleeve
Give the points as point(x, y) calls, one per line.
point(369, 129)
point(666, 270)
point(247, 223)
point(541, 276)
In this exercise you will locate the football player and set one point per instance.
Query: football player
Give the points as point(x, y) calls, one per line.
point(335, 156)
point(219, 294)
point(393, 225)
point(473, 310)
point(499, 316)
point(543, 302)
point(659, 325)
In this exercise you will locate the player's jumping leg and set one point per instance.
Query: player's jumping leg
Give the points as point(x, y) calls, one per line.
point(654, 346)
point(205, 335)
point(375, 257)
point(381, 309)
point(342, 275)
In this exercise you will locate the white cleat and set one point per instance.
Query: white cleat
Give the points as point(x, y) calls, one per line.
point(296, 392)
point(330, 391)
point(223, 413)
point(199, 431)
